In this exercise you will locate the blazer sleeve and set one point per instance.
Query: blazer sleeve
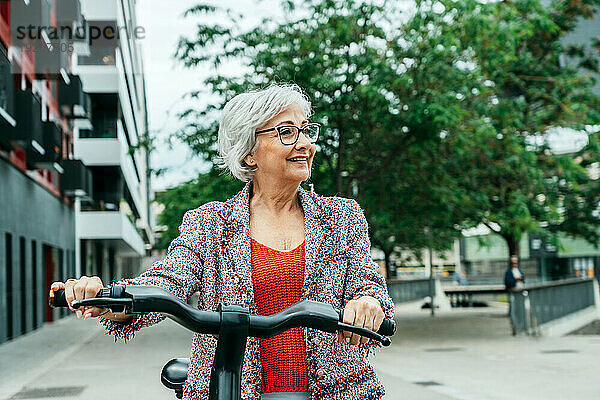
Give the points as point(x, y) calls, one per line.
point(362, 278)
point(179, 273)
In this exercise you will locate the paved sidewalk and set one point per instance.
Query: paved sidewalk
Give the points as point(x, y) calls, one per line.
point(458, 355)
point(468, 354)
point(88, 363)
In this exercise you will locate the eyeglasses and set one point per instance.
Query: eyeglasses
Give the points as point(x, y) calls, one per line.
point(289, 134)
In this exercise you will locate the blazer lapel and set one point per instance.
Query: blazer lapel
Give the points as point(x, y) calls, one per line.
point(317, 234)
point(236, 245)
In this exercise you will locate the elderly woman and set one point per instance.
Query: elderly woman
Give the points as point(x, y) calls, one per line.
point(270, 246)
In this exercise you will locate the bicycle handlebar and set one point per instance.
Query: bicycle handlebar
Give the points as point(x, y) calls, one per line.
point(138, 299)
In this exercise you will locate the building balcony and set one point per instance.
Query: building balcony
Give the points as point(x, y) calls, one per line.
point(77, 179)
point(98, 78)
point(111, 151)
point(50, 60)
point(97, 65)
point(113, 227)
point(73, 102)
point(28, 130)
point(68, 12)
point(96, 149)
point(7, 101)
point(52, 145)
point(34, 13)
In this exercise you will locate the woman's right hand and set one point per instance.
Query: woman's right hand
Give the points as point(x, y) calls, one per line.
point(79, 289)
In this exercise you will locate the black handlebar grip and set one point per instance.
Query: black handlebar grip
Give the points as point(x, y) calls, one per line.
point(57, 299)
point(387, 328)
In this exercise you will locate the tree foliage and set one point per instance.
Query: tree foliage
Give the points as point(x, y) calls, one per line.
point(212, 186)
point(434, 122)
point(520, 49)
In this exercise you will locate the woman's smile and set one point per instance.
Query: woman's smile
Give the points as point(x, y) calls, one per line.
point(299, 160)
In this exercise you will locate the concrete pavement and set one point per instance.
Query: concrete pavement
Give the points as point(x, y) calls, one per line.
point(468, 354)
point(459, 354)
point(75, 356)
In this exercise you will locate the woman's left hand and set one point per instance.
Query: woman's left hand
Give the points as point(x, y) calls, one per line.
point(364, 312)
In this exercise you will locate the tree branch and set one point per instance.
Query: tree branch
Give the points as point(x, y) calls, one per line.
point(492, 229)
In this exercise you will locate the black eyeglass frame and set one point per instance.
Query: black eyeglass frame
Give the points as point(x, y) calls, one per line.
point(279, 127)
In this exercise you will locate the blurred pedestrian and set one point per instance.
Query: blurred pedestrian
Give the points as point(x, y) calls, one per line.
point(514, 278)
point(463, 279)
point(460, 279)
point(456, 278)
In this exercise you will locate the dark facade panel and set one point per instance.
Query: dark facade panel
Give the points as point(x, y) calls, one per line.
point(28, 113)
point(28, 211)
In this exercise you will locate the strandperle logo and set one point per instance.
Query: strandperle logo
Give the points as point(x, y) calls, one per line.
point(94, 33)
point(34, 21)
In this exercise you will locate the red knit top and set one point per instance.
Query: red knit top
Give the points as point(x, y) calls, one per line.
point(277, 278)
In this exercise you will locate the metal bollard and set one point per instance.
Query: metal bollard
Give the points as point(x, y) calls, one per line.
point(527, 306)
point(511, 313)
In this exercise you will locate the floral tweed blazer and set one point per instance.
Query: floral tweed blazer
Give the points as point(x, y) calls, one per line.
point(212, 256)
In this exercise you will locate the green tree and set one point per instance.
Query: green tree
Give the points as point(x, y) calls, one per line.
point(526, 188)
point(487, 165)
point(371, 148)
point(176, 201)
point(429, 123)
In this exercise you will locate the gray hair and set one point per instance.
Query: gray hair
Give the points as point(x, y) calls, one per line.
point(244, 114)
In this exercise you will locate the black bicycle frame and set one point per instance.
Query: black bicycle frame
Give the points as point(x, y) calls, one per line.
point(226, 372)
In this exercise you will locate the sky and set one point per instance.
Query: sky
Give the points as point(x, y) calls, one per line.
point(167, 82)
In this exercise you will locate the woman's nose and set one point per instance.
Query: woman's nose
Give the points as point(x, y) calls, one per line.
point(303, 140)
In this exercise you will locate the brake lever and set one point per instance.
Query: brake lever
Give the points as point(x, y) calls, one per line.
point(115, 305)
point(384, 340)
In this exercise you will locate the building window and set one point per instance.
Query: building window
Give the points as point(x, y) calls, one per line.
point(34, 283)
point(22, 284)
point(9, 286)
point(50, 276)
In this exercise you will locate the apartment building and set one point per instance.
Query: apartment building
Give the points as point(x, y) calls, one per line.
point(73, 198)
point(114, 230)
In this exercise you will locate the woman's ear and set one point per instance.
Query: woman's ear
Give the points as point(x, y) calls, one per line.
point(249, 160)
